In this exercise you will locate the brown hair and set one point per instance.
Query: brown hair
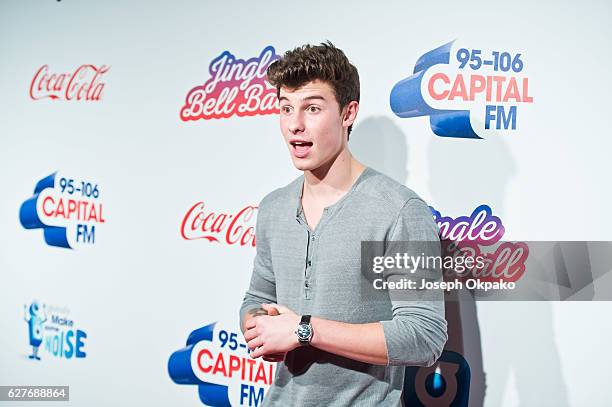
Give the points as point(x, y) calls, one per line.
point(324, 62)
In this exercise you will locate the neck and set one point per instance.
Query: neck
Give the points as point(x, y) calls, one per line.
point(333, 179)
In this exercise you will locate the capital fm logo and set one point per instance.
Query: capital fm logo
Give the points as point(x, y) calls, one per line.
point(235, 87)
point(86, 83)
point(467, 92)
point(55, 330)
point(236, 228)
point(68, 209)
point(217, 361)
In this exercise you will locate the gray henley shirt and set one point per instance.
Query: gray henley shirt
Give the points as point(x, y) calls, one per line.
point(318, 272)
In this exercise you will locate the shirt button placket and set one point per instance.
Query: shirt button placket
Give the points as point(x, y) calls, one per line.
point(308, 273)
point(307, 293)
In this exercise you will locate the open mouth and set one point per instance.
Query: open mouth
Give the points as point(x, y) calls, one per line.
point(301, 148)
point(301, 144)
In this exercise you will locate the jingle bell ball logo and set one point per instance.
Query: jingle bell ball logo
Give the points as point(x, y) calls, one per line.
point(235, 87)
point(217, 360)
point(479, 235)
point(68, 209)
point(467, 92)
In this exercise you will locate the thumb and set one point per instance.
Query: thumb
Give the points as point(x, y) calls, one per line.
point(271, 309)
point(282, 309)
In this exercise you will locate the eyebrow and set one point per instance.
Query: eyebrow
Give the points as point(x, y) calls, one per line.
point(314, 97)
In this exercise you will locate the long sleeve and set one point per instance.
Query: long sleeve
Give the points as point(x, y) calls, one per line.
point(418, 331)
point(262, 288)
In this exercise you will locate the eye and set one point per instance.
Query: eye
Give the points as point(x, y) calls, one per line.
point(285, 109)
point(313, 109)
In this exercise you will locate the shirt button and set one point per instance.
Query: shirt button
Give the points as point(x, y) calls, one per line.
point(309, 263)
point(306, 284)
point(313, 237)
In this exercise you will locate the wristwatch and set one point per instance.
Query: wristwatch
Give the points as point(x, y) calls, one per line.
point(304, 331)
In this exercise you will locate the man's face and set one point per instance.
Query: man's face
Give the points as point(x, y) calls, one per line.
point(312, 125)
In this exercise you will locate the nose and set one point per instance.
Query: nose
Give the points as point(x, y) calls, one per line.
point(296, 123)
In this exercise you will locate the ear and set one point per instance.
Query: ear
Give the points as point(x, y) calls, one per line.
point(349, 113)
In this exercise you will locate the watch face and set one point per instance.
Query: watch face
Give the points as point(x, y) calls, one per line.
point(303, 332)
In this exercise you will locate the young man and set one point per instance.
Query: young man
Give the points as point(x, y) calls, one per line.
point(338, 342)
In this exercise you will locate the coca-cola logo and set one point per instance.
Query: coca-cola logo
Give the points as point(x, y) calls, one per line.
point(85, 83)
point(235, 87)
point(237, 228)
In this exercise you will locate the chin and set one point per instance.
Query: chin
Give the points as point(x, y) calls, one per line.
point(303, 165)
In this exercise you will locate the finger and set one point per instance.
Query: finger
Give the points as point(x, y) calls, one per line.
point(250, 323)
point(275, 357)
point(258, 352)
point(272, 360)
point(255, 342)
point(250, 334)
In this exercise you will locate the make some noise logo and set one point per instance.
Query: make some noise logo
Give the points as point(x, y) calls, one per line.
point(216, 359)
point(68, 209)
point(86, 83)
point(467, 91)
point(235, 87)
point(220, 227)
point(53, 329)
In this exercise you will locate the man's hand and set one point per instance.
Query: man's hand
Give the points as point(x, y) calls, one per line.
point(272, 335)
point(272, 311)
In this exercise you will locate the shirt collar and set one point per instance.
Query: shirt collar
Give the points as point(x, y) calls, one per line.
point(299, 212)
